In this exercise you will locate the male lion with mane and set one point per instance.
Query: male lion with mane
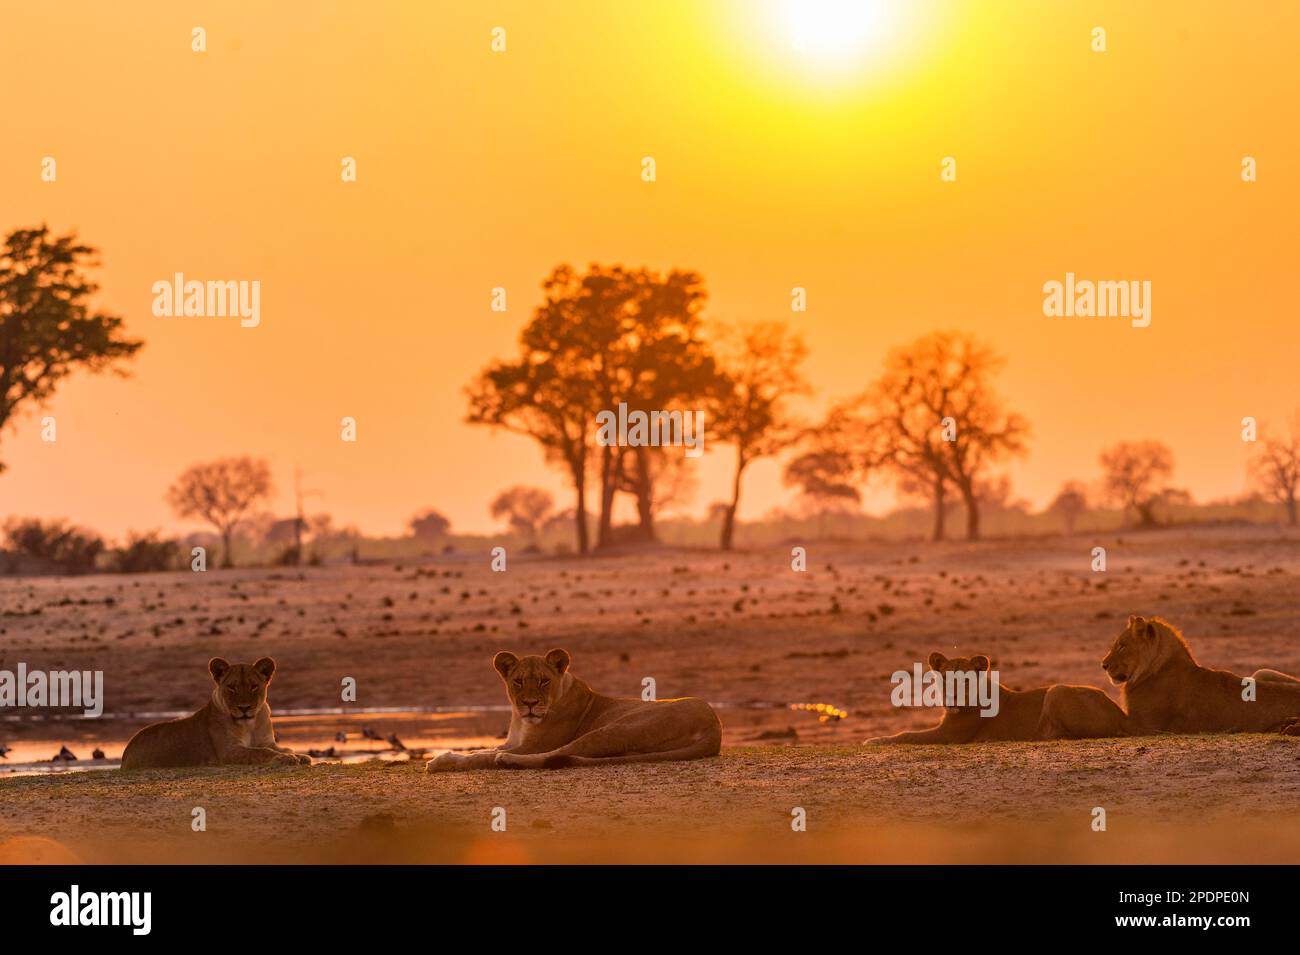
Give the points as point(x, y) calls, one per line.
point(1166, 691)
point(558, 720)
point(1059, 711)
point(234, 726)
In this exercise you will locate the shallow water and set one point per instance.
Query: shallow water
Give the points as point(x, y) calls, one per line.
point(423, 732)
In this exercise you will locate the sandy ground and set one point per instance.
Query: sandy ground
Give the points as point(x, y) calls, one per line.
point(741, 630)
point(1177, 799)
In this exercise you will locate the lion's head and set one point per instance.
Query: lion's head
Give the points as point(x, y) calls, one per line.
point(962, 665)
point(534, 683)
point(1144, 646)
point(241, 687)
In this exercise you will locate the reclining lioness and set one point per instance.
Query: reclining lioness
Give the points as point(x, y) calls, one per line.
point(1060, 711)
point(1166, 691)
point(234, 726)
point(558, 720)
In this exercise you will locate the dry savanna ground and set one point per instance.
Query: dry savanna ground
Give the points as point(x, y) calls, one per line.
point(742, 630)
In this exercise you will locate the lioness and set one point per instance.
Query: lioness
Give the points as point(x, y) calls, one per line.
point(1060, 711)
point(234, 726)
point(558, 720)
point(1166, 691)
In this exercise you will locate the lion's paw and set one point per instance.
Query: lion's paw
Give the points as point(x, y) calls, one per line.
point(442, 763)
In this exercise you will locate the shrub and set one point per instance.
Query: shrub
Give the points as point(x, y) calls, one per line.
point(73, 549)
point(146, 553)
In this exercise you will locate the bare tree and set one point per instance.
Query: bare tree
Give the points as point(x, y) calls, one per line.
point(1275, 468)
point(1071, 502)
point(221, 492)
point(1135, 476)
point(934, 421)
point(524, 508)
point(760, 371)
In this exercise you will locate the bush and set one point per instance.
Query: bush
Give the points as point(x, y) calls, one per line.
point(72, 549)
point(146, 553)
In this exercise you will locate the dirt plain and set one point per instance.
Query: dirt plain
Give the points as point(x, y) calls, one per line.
point(743, 630)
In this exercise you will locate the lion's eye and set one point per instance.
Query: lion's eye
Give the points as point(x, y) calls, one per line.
point(546, 683)
point(519, 683)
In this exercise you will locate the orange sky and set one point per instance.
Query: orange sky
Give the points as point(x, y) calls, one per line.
point(775, 168)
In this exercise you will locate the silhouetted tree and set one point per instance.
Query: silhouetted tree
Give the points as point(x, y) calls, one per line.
point(524, 508)
point(599, 338)
point(47, 328)
point(1275, 468)
point(955, 372)
point(535, 397)
point(429, 525)
point(825, 480)
point(759, 366)
point(221, 493)
point(1071, 502)
point(1134, 476)
point(656, 360)
point(933, 420)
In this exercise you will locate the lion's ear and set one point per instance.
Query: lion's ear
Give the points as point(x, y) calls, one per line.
point(1135, 623)
point(503, 662)
point(218, 667)
point(559, 659)
point(980, 662)
point(266, 667)
point(937, 660)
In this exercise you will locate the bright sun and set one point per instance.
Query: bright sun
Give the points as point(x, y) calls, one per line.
point(832, 29)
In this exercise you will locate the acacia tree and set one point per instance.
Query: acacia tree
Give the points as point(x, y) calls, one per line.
point(976, 429)
point(47, 328)
point(602, 337)
point(658, 360)
point(933, 422)
point(524, 508)
point(759, 366)
point(825, 480)
point(1275, 468)
point(221, 493)
point(1135, 475)
point(547, 395)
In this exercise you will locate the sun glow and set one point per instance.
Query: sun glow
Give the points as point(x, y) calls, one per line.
point(833, 30)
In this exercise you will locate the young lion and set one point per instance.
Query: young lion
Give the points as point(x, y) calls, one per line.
point(234, 726)
point(1166, 691)
point(1060, 711)
point(558, 720)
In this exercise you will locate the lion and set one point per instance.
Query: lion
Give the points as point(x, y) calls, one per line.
point(557, 720)
point(1060, 711)
point(1166, 691)
point(233, 728)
